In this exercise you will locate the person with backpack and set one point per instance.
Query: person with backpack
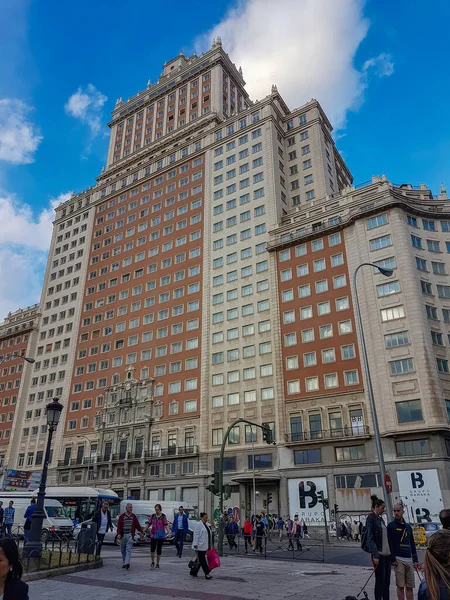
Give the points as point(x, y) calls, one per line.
point(404, 553)
point(436, 585)
point(375, 540)
point(159, 526)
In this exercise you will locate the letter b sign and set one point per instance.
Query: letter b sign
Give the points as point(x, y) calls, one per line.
point(311, 493)
point(417, 480)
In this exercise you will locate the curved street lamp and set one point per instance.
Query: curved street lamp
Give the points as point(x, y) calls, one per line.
point(17, 355)
point(33, 549)
point(376, 429)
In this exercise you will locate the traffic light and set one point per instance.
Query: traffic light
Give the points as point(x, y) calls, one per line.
point(336, 508)
point(332, 513)
point(213, 487)
point(227, 492)
point(269, 499)
point(267, 433)
point(320, 497)
point(325, 503)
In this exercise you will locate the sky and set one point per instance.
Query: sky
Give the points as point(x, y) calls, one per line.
point(379, 68)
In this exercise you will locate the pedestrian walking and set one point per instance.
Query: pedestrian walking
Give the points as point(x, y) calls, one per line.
point(127, 525)
point(297, 531)
point(158, 526)
point(260, 532)
point(202, 542)
point(305, 530)
point(11, 585)
point(342, 531)
point(102, 518)
point(378, 546)
point(403, 553)
point(27, 516)
point(8, 519)
point(280, 527)
point(180, 527)
point(289, 528)
point(355, 531)
point(436, 585)
point(444, 517)
point(231, 530)
point(247, 531)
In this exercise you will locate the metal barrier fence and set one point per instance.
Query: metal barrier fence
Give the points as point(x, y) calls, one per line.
point(274, 547)
point(58, 551)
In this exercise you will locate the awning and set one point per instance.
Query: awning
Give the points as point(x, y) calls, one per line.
point(260, 478)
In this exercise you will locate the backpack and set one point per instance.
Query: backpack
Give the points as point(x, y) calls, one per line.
point(364, 545)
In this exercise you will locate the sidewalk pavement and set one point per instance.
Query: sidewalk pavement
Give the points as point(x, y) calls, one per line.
point(238, 578)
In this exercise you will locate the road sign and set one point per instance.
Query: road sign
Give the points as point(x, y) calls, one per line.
point(388, 483)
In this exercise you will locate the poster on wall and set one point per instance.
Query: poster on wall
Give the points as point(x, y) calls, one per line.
point(21, 480)
point(421, 494)
point(303, 500)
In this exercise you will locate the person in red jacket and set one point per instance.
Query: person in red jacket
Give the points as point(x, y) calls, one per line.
point(126, 528)
point(247, 531)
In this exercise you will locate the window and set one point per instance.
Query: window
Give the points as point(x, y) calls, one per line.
point(331, 380)
point(416, 241)
point(262, 461)
point(427, 288)
point(390, 314)
point(293, 387)
point(328, 356)
point(377, 221)
point(339, 281)
point(348, 352)
point(413, 448)
point(342, 303)
point(312, 384)
point(350, 453)
point(431, 312)
point(442, 365)
point(397, 367)
point(351, 377)
point(443, 291)
point(396, 339)
point(433, 246)
point(428, 225)
point(381, 242)
point(438, 268)
point(421, 264)
point(385, 289)
point(409, 411)
point(305, 457)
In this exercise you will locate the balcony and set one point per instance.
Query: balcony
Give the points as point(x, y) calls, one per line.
point(149, 454)
point(321, 435)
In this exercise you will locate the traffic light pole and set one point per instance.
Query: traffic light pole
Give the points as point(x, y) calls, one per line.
point(222, 452)
point(327, 533)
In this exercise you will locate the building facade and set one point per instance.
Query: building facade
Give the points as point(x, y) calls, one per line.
point(207, 278)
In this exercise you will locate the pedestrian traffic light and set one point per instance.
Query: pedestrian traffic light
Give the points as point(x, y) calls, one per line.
point(320, 497)
point(269, 499)
point(332, 513)
point(267, 433)
point(213, 487)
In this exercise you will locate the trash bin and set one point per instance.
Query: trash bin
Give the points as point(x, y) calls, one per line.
point(87, 538)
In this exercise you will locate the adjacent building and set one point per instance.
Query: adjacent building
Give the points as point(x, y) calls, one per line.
point(207, 277)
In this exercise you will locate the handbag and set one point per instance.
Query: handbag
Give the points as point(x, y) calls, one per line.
point(212, 558)
point(159, 534)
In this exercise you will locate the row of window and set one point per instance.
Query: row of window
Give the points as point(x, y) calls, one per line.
point(330, 381)
point(320, 287)
point(244, 254)
point(328, 355)
point(315, 246)
point(428, 224)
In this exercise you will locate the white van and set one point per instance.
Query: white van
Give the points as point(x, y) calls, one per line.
point(169, 508)
point(56, 523)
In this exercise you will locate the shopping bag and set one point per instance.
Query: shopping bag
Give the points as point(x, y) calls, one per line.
point(213, 559)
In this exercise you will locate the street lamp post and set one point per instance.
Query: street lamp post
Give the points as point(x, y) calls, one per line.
point(376, 429)
point(90, 457)
point(33, 549)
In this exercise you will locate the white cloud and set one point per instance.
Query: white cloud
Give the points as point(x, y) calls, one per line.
point(380, 66)
point(19, 137)
point(24, 244)
point(87, 106)
point(305, 47)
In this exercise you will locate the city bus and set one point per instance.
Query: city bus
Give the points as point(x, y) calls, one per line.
point(79, 502)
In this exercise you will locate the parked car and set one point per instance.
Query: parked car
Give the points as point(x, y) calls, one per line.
point(111, 536)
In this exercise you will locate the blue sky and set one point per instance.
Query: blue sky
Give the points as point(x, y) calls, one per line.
point(379, 67)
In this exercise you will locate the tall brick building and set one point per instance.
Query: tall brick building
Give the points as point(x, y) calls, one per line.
point(206, 277)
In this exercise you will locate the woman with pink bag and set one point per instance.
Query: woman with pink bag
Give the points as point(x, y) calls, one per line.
point(159, 526)
point(202, 544)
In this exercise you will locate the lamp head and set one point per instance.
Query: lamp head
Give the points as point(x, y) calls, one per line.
point(385, 272)
point(53, 412)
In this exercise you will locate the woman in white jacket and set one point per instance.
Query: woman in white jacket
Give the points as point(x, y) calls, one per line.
point(203, 542)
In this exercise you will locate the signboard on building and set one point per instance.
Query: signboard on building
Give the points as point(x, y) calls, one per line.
point(421, 494)
point(21, 480)
point(303, 500)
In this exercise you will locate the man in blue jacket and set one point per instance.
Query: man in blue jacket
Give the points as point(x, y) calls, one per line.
point(180, 527)
point(404, 553)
